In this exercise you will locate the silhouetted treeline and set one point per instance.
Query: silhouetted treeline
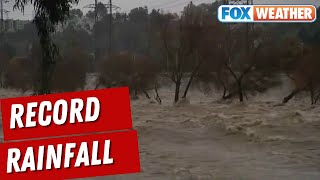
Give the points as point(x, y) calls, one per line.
point(239, 60)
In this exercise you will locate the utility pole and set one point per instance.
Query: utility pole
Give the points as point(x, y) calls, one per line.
point(249, 27)
point(95, 30)
point(110, 27)
point(2, 20)
point(110, 6)
point(247, 37)
point(2, 11)
point(94, 6)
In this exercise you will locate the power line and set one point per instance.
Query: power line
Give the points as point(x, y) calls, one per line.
point(110, 7)
point(172, 3)
point(165, 6)
point(164, 3)
point(94, 6)
point(110, 27)
point(176, 5)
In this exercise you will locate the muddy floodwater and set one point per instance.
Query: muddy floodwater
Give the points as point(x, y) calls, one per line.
point(203, 138)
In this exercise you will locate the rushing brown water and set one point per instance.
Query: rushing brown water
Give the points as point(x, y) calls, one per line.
point(205, 139)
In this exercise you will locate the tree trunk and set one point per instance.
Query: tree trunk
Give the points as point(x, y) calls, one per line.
point(188, 86)
point(317, 97)
point(146, 93)
point(224, 95)
point(240, 91)
point(229, 96)
point(245, 95)
point(135, 93)
point(312, 98)
point(45, 89)
point(238, 81)
point(157, 97)
point(193, 74)
point(177, 91)
point(290, 96)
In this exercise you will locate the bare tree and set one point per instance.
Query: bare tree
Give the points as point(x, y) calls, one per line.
point(240, 57)
point(177, 50)
point(184, 40)
point(296, 64)
point(306, 75)
point(248, 61)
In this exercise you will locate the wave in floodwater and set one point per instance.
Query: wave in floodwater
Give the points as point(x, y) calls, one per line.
point(204, 138)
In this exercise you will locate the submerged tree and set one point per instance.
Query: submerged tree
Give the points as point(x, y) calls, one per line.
point(48, 14)
point(305, 75)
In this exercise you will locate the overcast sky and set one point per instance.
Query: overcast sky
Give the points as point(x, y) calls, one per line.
point(126, 5)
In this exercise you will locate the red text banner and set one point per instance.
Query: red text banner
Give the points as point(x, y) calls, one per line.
point(71, 157)
point(66, 114)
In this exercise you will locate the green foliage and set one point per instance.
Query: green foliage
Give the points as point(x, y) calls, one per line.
point(193, 46)
point(48, 14)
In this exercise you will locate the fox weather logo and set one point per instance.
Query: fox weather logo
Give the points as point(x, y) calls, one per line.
point(267, 13)
point(235, 14)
